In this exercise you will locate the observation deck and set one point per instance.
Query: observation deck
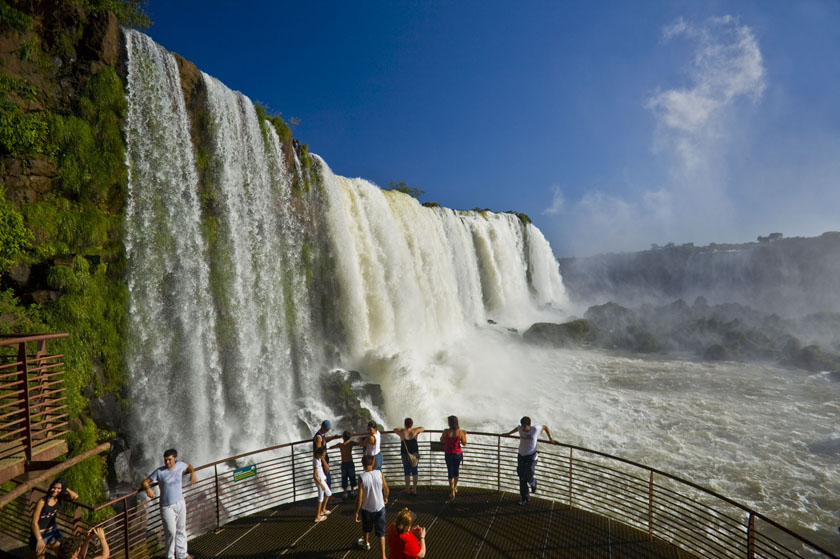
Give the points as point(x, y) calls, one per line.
point(589, 504)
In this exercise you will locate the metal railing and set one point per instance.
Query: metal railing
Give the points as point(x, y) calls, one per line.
point(33, 408)
point(699, 521)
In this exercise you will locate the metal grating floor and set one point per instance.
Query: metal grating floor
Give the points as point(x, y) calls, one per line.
point(478, 524)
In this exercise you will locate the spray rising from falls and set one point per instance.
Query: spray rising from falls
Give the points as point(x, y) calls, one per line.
point(254, 270)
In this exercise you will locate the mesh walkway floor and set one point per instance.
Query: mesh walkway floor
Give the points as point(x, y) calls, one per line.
point(478, 524)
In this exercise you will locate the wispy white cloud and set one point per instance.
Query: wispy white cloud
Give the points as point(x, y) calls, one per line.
point(557, 201)
point(695, 123)
point(727, 66)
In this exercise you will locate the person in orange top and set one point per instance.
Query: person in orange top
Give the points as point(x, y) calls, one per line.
point(405, 542)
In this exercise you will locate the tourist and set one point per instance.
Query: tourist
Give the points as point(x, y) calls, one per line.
point(45, 533)
point(453, 439)
point(321, 466)
point(409, 452)
point(173, 509)
point(372, 445)
point(370, 503)
point(405, 542)
point(320, 440)
point(77, 548)
point(348, 467)
point(526, 459)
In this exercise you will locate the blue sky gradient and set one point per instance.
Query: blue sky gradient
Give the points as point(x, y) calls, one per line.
point(614, 125)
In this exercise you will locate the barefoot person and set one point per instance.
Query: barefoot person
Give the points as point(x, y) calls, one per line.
point(173, 509)
point(324, 493)
point(405, 542)
point(370, 504)
point(409, 449)
point(453, 439)
point(526, 459)
point(320, 439)
point(45, 534)
point(77, 548)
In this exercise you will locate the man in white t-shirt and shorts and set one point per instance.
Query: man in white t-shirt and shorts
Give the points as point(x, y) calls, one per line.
point(370, 504)
point(526, 460)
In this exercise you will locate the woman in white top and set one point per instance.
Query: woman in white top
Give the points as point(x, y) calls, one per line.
point(372, 445)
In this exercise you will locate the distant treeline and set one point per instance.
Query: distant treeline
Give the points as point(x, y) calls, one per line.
point(789, 276)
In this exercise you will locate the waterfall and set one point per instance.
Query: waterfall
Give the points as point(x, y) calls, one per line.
point(173, 360)
point(240, 277)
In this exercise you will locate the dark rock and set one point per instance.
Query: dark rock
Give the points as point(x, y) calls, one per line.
point(717, 352)
point(341, 394)
point(45, 297)
point(107, 412)
point(374, 392)
point(568, 334)
point(20, 273)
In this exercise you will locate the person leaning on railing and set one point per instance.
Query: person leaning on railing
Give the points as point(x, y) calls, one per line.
point(453, 439)
point(45, 534)
point(173, 508)
point(409, 452)
point(526, 459)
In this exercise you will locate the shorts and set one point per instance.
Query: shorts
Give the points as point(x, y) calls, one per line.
point(453, 463)
point(407, 467)
point(323, 492)
point(50, 535)
point(371, 520)
point(348, 475)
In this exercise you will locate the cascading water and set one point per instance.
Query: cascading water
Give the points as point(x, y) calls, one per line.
point(226, 342)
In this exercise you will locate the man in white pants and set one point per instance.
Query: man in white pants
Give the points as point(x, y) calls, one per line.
point(173, 509)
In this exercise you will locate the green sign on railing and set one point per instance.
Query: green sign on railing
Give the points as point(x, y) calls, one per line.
point(245, 473)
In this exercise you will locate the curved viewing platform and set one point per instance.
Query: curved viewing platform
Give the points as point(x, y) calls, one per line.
point(588, 504)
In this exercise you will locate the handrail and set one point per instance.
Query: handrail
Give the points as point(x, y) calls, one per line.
point(662, 512)
point(32, 396)
point(662, 505)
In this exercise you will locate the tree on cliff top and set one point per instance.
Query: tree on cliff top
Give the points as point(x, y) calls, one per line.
point(405, 189)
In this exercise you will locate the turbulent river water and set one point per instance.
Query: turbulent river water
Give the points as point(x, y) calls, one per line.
point(765, 436)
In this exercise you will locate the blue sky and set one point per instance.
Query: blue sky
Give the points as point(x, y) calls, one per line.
point(613, 124)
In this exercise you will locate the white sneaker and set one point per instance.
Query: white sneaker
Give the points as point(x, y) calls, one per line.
point(363, 544)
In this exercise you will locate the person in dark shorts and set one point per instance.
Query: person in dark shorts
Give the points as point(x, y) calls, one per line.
point(348, 467)
point(409, 448)
point(45, 534)
point(370, 504)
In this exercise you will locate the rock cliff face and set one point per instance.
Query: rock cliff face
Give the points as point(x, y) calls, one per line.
point(792, 277)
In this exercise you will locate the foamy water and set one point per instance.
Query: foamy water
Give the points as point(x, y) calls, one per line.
point(764, 436)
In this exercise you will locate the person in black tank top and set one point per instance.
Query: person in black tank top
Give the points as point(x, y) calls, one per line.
point(45, 533)
point(320, 439)
point(408, 449)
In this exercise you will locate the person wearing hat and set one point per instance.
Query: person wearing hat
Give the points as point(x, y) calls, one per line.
point(320, 440)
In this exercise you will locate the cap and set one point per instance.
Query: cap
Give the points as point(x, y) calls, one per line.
point(326, 424)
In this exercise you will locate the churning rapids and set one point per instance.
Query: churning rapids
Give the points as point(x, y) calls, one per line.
point(237, 310)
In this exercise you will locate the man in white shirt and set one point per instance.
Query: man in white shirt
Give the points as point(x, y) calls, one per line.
point(173, 509)
point(526, 460)
point(370, 504)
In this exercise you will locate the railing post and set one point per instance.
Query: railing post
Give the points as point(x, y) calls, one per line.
point(571, 454)
point(218, 512)
point(77, 520)
point(751, 537)
point(499, 463)
point(24, 376)
point(125, 525)
point(650, 508)
point(294, 478)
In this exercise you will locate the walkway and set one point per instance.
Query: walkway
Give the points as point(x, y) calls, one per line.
point(479, 524)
